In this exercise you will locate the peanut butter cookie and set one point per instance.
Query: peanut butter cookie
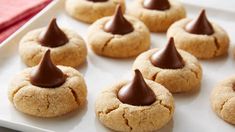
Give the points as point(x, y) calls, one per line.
point(47, 90)
point(118, 36)
point(137, 106)
point(91, 10)
point(175, 69)
point(67, 47)
point(200, 37)
point(223, 100)
point(157, 15)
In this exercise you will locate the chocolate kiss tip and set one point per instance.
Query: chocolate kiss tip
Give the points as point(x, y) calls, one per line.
point(203, 12)
point(168, 57)
point(118, 23)
point(47, 75)
point(137, 92)
point(156, 4)
point(53, 36)
point(119, 10)
point(200, 26)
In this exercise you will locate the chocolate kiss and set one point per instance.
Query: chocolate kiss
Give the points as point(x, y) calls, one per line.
point(98, 0)
point(201, 25)
point(156, 4)
point(47, 75)
point(137, 92)
point(53, 36)
point(118, 23)
point(168, 58)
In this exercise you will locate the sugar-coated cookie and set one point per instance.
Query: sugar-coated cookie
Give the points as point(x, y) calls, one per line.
point(157, 15)
point(137, 105)
point(118, 36)
point(223, 100)
point(178, 71)
point(91, 10)
point(67, 47)
point(48, 91)
point(200, 37)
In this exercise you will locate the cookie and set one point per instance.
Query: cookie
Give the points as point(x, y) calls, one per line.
point(91, 10)
point(200, 37)
point(157, 15)
point(177, 70)
point(48, 91)
point(118, 36)
point(223, 100)
point(137, 105)
point(67, 47)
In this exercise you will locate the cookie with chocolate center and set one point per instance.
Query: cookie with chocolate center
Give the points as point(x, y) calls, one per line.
point(177, 70)
point(157, 15)
point(91, 10)
point(67, 47)
point(47, 90)
point(138, 105)
point(118, 36)
point(200, 37)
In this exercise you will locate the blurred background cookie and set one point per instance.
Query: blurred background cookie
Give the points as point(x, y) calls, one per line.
point(91, 10)
point(157, 15)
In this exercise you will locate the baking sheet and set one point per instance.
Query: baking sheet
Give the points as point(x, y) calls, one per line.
point(193, 112)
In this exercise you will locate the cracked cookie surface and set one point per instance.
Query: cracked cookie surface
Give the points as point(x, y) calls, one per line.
point(223, 100)
point(89, 12)
point(156, 20)
point(124, 117)
point(71, 54)
point(185, 79)
point(201, 46)
point(48, 102)
point(118, 46)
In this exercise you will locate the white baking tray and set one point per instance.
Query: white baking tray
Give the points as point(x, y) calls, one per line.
point(192, 114)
